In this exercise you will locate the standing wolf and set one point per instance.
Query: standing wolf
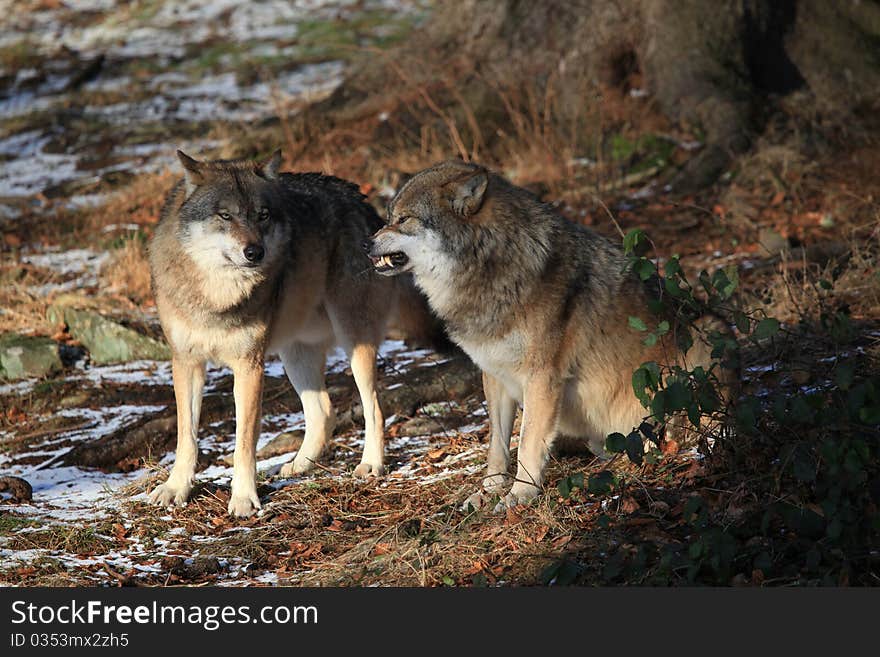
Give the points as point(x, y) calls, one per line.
point(539, 303)
point(247, 261)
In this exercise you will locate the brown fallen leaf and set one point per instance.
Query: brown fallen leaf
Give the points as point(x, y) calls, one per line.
point(628, 505)
point(381, 548)
point(541, 533)
point(669, 447)
point(562, 541)
point(435, 455)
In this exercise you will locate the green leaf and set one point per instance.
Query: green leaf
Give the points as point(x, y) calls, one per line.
point(644, 268)
point(693, 413)
point(742, 322)
point(844, 375)
point(725, 281)
point(672, 288)
point(663, 328)
point(747, 413)
point(683, 340)
point(615, 443)
point(653, 372)
point(650, 340)
point(601, 482)
point(448, 580)
point(766, 328)
point(640, 383)
point(635, 448)
point(678, 396)
point(656, 306)
point(708, 398)
point(672, 267)
point(658, 406)
point(870, 414)
point(632, 239)
point(568, 484)
point(802, 466)
point(637, 323)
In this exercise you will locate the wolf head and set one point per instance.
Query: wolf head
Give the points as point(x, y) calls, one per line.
point(232, 220)
point(427, 218)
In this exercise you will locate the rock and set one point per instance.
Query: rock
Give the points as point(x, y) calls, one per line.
point(106, 340)
point(425, 426)
point(771, 243)
point(420, 426)
point(283, 443)
point(74, 400)
point(26, 356)
point(191, 568)
point(144, 437)
point(20, 489)
point(454, 379)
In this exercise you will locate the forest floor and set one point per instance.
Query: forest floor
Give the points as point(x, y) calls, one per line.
point(93, 105)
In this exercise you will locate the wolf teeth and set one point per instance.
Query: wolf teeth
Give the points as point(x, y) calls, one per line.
point(385, 261)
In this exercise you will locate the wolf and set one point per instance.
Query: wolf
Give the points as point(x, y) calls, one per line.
point(247, 261)
point(539, 303)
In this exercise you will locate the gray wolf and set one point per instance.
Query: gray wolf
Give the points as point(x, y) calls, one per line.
point(246, 262)
point(540, 304)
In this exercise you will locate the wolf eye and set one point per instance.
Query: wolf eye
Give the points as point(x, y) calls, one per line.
point(264, 214)
point(225, 216)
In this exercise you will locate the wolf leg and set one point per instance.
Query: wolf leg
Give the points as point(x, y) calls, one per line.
point(363, 367)
point(305, 365)
point(247, 390)
point(541, 401)
point(189, 382)
point(502, 411)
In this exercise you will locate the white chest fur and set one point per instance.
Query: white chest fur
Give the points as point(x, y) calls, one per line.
point(219, 344)
point(503, 358)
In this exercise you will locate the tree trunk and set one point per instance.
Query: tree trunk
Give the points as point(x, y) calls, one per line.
point(709, 66)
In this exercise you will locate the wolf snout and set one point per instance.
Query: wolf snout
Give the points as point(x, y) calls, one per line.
point(254, 253)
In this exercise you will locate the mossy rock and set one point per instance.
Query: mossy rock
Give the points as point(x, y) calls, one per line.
point(23, 357)
point(106, 340)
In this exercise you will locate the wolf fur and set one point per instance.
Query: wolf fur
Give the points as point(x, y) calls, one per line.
point(540, 304)
point(246, 262)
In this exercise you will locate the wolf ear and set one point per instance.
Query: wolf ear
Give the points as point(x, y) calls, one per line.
point(468, 192)
point(193, 171)
point(268, 168)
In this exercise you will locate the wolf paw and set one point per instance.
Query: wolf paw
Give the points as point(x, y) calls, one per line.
point(170, 494)
point(366, 470)
point(493, 484)
point(243, 506)
point(296, 467)
point(519, 494)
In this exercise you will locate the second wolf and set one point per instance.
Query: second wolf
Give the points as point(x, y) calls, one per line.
point(540, 304)
point(247, 261)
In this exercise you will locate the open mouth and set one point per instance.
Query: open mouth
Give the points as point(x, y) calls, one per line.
point(390, 262)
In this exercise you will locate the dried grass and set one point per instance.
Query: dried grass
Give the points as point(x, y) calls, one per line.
point(140, 202)
point(128, 272)
point(802, 290)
